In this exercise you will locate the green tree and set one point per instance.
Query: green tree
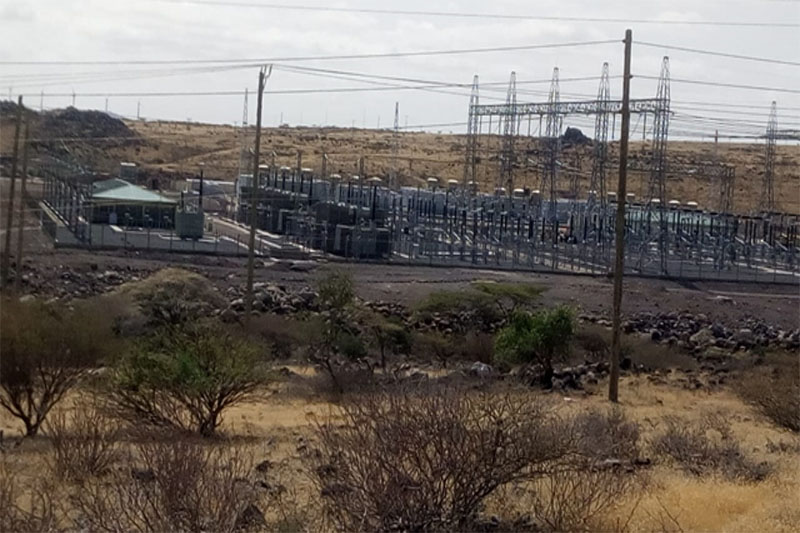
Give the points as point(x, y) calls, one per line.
point(536, 338)
point(387, 335)
point(336, 298)
point(185, 378)
point(509, 298)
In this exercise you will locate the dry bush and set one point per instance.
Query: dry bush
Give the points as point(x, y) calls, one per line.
point(579, 494)
point(775, 392)
point(594, 341)
point(46, 351)
point(173, 486)
point(25, 509)
point(283, 334)
point(434, 344)
point(607, 435)
point(173, 296)
point(594, 344)
point(706, 447)
point(350, 380)
point(581, 497)
point(478, 346)
point(428, 459)
point(85, 442)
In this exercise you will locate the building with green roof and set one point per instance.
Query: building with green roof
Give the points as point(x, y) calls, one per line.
point(116, 201)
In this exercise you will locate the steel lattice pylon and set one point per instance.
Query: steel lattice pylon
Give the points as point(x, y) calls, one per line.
point(395, 147)
point(244, 154)
point(470, 163)
point(552, 141)
point(657, 190)
point(506, 178)
point(597, 185)
point(767, 203)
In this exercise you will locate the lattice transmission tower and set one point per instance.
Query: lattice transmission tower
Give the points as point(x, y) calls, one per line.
point(549, 175)
point(597, 184)
point(393, 175)
point(473, 130)
point(244, 154)
point(507, 157)
point(767, 203)
point(657, 186)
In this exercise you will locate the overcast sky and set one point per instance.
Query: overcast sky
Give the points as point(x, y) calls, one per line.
point(64, 30)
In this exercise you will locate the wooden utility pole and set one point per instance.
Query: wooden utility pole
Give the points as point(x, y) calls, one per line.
point(248, 298)
point(21, 228)
point(622, 187)
point(6, 259)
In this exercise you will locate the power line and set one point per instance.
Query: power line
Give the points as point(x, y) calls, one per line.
point(721, 84)
point(720, 54)
point(496, 16)
point(259, 61)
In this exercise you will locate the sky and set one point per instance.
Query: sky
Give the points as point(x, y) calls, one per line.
point(148, 30)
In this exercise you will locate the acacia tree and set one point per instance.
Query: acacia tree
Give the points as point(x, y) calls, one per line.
point(537, 338)
point(186, 377)
point(45, 352)
point(335, 297)
point(387, 335)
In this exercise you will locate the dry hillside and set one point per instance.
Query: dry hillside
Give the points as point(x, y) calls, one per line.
point(178, 148)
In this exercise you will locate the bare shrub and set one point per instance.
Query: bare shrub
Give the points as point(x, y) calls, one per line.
point(173, 296)
point(185, 378)
point(45, 352)
point(478, 346)
point(173, 486)
point(434, 344)
point(604, 435)
point(349, 380)
point(84, 442)
point(581, 491)
point(25, 509)
point(594, 343)
point(283, 334)
point(706, 447)
point(594, 340)
point(427, 459)
point(580, 499)
point(775, 392)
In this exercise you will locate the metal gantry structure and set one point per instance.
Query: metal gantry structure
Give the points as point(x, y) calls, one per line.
point(596, 199)
point(555, 227)
point(473, 130)
point(393, 174)
point(559, 227)
point(767, 203)
point(656, 201)
point(508, 124)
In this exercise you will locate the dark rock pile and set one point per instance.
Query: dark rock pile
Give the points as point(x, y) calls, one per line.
point(697, 333)
point(74, 123)
point(66, 282)
point(272, 298)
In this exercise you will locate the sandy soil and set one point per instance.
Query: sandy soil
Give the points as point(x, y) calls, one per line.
point(278, 427)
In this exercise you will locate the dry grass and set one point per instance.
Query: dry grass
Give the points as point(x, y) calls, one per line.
point(281, 426)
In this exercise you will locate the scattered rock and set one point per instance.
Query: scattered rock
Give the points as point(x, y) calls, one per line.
point(250, 518)
point(481, 370)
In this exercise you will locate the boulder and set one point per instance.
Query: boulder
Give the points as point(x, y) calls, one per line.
point(704, 337)
point(745, 337)
point(481, 370)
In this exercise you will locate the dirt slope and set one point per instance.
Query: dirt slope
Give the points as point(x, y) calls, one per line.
point(176, 149)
